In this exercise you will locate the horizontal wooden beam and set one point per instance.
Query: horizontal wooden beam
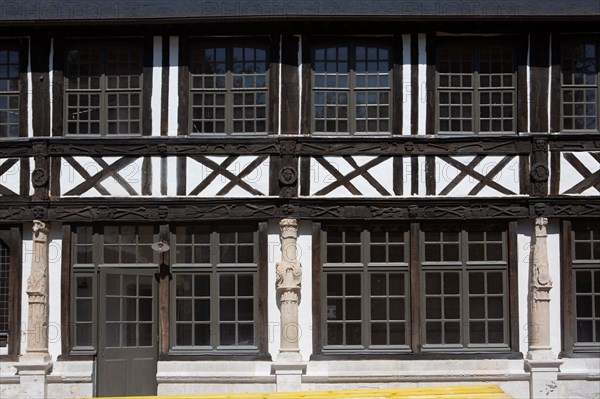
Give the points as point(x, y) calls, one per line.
point(155, 210)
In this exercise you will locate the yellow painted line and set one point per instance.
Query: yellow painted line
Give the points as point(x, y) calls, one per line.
point(446, 392)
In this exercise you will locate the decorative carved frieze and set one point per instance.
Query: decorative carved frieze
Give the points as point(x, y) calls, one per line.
point(539, 167)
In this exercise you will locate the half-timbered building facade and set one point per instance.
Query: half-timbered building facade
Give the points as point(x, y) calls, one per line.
point(436, 166)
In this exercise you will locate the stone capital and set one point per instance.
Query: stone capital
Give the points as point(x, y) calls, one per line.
point(289, 228)
point(40, 231)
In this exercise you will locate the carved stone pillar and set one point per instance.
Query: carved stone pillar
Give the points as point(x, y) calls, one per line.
point(541, 361)
point(35, 364)
point(288, 366)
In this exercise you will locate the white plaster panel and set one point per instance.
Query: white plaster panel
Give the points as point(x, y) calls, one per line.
point(173, 86)
point(156, 175)
point(50, 80)
point(131, 173)
point(554, 248)
point(422, 43)
point(508, 177)
point(273, 313)
point(257, 178)
point(171, 176)
point(524, 237)
point(569, 176)
point(406, 85)
point(422, 177)
point(321, 177)
point(407, 173)
point(54, 284)
point(27, 257)
point(29, 97)
point(11, 179)
point(156, 84)
point(31, 168)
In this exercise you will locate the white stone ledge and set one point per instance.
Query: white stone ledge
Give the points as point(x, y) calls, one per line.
point(415, 378)
point(68, 379)
point(13, 379)
point(178, 379)
point(579, 376)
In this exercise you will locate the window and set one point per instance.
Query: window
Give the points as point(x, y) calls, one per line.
point(4, 297)
point(229, 89)
point(579, 91)
point(9, 92)
point(215, 306)
point(351, 89)
point(366, 288)
point(476, 88)
point(585, 287)
point(103, 90)
point(464, 293)
point(104, 246)
point(450, 295)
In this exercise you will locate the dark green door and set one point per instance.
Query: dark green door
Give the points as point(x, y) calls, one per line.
point(127, 333)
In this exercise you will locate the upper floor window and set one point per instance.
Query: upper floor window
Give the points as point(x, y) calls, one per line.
point(9, 92)
point(352, 89)
point(579, 92)
point(103, 89)
point(229, 89)
point(476, 88)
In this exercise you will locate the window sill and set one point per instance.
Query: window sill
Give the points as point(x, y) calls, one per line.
point(417, 356)
point(214, 356)
point(580, 354)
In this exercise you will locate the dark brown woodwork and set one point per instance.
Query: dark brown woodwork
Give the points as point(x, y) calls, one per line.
point(58, 87)
point(539, 166)
point(183, 115)
point(65, 290)
point(25, 177)
point(398, 171)
point(484, 180)
point(317, 304)
point(148, 66)
point(221, 170)
point(55, 169)
point(273, 97)
point(414, 83)
point(164, 282)
point(305, 176)
point(513, 285)
point(147, 176)
point(414, 175)
point(163, 176)
point(566, 275)
point(94, 181)
point(164, 89)
point(522, 88)
point(40, 176)
point(524, 174)
point(40, 82)
point(430, 176)
point(181, 175)
point(415, 285)
point(23, 88)
point(263, 289)
point(346, 180)
point(305, 99)
point(290, 85)
point(555, 172)
point(430, 124)
point(397, 89)
point(539, 58)
point(555, 83)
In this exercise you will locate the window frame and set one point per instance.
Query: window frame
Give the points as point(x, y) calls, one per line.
point(564, 42)
point(11, 238)
point(569, 265)
point(270, 43)
point(22, 48)
point(215, 269)
point(393, 45)
point(366, 269)
point(60, 113)
point(416, 350)
point(476, 43)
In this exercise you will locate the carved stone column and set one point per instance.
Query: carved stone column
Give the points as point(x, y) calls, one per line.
point(35, 364)
point(288, 365)
point(541, 361)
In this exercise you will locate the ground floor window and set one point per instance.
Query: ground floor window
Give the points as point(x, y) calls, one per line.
point(10, 291)
point(419, 288)
point(209, 304)
point(581, 275)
